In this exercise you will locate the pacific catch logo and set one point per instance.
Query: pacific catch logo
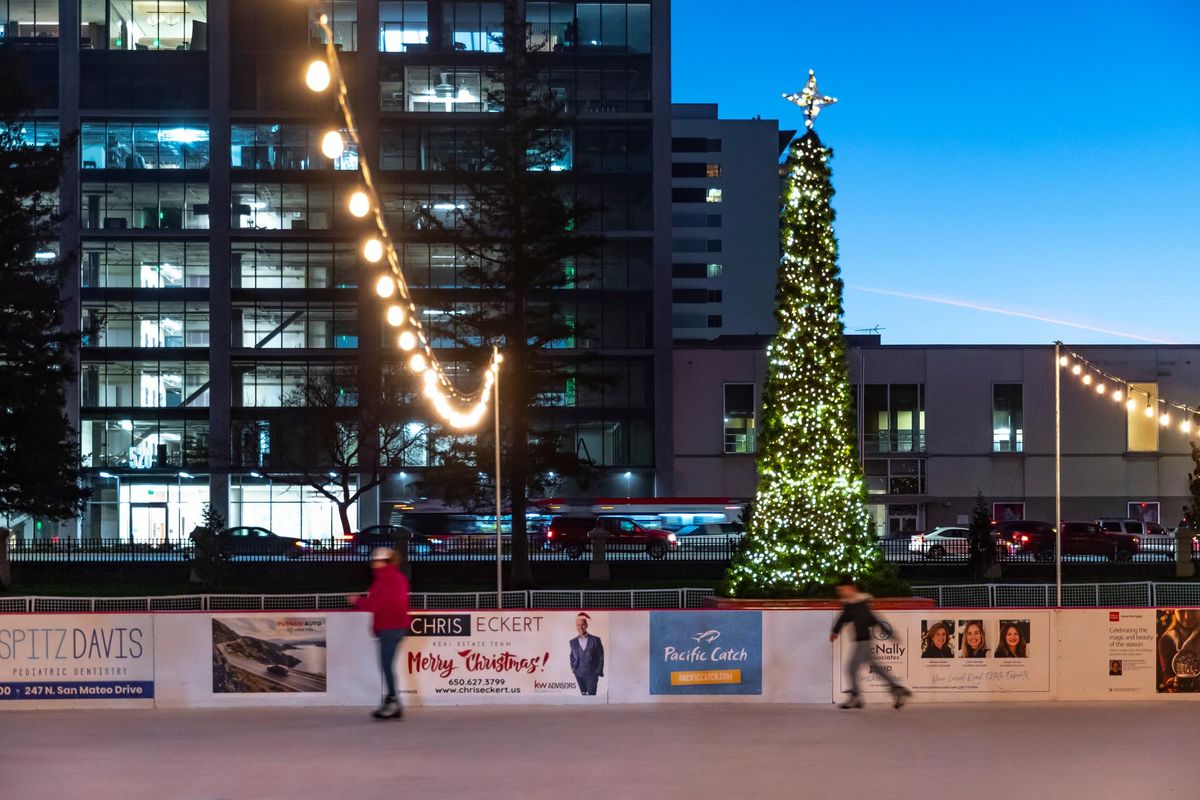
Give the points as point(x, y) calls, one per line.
point(707, 637)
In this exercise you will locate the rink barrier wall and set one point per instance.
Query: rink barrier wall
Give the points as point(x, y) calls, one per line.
point(513, 657)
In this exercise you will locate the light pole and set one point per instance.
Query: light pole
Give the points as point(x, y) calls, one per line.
point(628, 485)
point(499, 539)
point(116, 478)
point(179, 476)
point(1058, 365)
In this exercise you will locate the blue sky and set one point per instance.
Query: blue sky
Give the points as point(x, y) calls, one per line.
point(1038, 158)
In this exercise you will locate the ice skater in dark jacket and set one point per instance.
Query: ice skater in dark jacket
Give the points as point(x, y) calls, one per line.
point(856, 610)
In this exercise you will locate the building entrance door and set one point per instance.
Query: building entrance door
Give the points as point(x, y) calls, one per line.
point(902, 518)
point(148, 522)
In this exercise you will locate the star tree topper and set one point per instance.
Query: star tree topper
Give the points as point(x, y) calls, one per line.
point(810, 99)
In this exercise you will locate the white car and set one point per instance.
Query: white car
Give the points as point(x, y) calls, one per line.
point(941, 542)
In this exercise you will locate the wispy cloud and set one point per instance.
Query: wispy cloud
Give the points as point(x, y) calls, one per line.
point(1008, 312)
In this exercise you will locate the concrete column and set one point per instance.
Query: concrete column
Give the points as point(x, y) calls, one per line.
point(598, 569)
point(220, 329)
point(660, 82)
point(68, 192)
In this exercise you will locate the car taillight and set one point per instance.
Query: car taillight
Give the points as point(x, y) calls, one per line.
point(1024, 538)
point(550, 533)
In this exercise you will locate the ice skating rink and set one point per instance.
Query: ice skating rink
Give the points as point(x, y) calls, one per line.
point(688, 751)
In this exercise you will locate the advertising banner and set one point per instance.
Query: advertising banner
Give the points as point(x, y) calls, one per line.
point(106, 657)
point(706, 652)
point(961, 653)
point(505, 656)
point(267, 653)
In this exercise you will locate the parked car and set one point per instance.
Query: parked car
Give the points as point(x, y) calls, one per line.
point(712, 529)
point(278, 669)
point(1078, 539)
point(1154, 537)
point(570, 535)
point(247, 540)
point(941, 542)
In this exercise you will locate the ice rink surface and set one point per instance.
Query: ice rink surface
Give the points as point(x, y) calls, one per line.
point(668, 751)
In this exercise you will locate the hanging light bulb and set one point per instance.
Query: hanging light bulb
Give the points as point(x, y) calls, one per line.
point(385, 286)
point(1063, 361)
point(430, 378)
point(1149, 410)
point(332, 145)
point(1131, 404)
point(1075, 370)
point(359, 203)
point(1100, 388)
point(372, 251)
point(408, 340)
point(395, 315)
point(1165, 419)
point(1186, 425)
point(1116, 395)
point(1087, 380)
point(417, 363)
point(317, 75)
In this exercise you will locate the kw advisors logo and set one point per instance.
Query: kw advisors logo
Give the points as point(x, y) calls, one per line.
point(711, 652)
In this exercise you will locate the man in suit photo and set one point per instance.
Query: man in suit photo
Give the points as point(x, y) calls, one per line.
point(587, 657)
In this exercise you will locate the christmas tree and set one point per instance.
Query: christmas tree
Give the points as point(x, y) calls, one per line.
point(809, 522)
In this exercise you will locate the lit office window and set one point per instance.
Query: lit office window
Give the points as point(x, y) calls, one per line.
point(148, 264)
point(712, 196)
point(403, 26)
point(343, 19)
point(473, 26)
point(739, 418)
point(712, 170)
point(28, 19)
point(1007, 424)
point(144, 24)
point(1142, 428)
point(143, 145)
point(714, 270)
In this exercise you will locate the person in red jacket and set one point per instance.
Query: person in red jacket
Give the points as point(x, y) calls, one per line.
point(387, 600)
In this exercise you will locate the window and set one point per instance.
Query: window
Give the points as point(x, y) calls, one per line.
point(36, 133)
point(116, 323)
point(144, 24)
point(474, 26)
point(144, 384)
point(28, 19)
point(143, 145)
point(687, 195)
point(714, 270)
point(893, 418)
point(692, 144)
point(688, 271)
point(712, 170)
point(714, 295)
point(294, 265)
point(1144, 511)
point(289, 206)
point(278, 325)
point(688, 170)
point(589, 27)
point(1142, 430)
point(150, 264)
point(714, 320)
point(403, 25)
point(143, 443)
point(739, 418)
point(1007, 425)
point(343, 20)
point(895, 476)
point(144, 206)
point(689, 296)
point(285, 146)
point(274, 384)
point(445, 89)
point(712, 196)
point(696, 245)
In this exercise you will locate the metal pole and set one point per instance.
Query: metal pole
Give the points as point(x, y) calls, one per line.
point(1057, 475)
point(499, 544)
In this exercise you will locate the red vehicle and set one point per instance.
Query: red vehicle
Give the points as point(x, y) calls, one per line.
point(570, 534)
point(1078, 539)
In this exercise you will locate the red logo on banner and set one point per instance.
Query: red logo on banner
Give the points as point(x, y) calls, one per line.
point(1114, 616)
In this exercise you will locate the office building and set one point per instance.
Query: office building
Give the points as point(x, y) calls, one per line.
point(940, 423)
point(724, 222)
point(219, 270)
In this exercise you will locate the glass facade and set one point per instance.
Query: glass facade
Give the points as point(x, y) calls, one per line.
point(168, 413)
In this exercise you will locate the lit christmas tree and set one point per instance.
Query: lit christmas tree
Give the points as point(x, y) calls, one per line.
point(809, 523)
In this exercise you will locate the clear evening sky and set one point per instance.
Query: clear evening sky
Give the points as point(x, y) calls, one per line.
point(1041, 158)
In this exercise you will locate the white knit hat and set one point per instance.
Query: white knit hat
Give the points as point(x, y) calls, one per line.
point(382, 554)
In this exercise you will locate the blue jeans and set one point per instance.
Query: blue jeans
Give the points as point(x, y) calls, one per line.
point(389, 642)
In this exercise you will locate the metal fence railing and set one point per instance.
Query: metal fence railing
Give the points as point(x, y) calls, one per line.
point(934, 550)
point(1074, 595)
point(547, 600)
point(459, 548)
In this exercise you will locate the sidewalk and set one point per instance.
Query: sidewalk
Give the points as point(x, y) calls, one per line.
point(694, 751)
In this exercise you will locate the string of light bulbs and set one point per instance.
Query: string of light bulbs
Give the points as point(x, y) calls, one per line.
point(1105, 384)
point(459, 410)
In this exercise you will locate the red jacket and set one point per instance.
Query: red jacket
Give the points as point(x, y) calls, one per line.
point(387, 599)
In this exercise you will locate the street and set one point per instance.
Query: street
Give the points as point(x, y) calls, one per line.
point(690, 751)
